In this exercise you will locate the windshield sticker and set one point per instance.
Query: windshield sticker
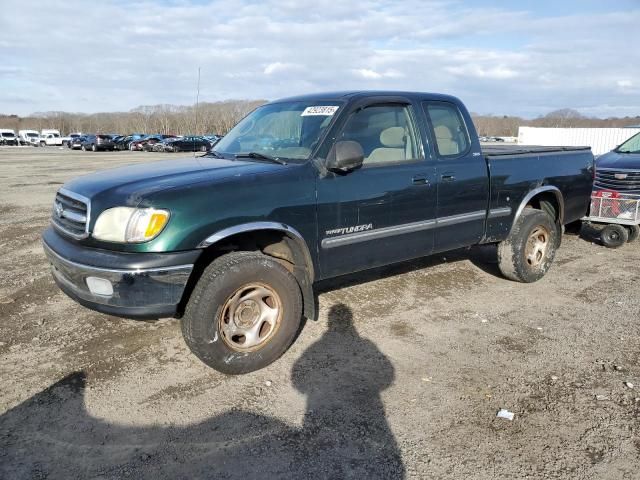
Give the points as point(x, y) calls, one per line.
point(324, 110)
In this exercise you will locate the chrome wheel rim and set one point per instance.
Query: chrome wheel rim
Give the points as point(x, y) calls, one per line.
point(537, 245)
point(250, 317)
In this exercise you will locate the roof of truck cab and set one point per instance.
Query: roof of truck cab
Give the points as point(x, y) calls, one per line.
point(353, 94)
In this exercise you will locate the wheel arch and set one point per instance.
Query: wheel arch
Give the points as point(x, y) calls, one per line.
point(275, 239)
point(536, 198)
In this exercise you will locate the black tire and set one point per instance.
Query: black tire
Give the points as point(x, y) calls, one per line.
point(176, 149)
point(528, 252)
point(633, 231)
point(614, 236)
point(94, 148)
point(204, 318)
point(203, 148)
point(83, 148)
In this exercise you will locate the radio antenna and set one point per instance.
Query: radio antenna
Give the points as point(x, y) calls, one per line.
point(195, 128)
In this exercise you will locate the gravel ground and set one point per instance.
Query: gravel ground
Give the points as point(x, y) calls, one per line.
point(401, 377)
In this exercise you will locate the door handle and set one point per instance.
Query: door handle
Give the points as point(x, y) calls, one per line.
point(420, 180)
point(448, 177)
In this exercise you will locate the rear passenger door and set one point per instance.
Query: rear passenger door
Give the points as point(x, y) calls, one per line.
point(462, 177)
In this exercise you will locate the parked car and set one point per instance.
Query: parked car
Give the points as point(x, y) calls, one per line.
point(213, 139)
point(8, 137)
point(97, 142)
point(136, 145)
point(30, 137)
point(68, 138)
point(76, 142)
point(140, 143)
point(124, 142)
point(363, 180)
point(188, 144)
point(149, 143)
point(50, 137)
point(161, 146)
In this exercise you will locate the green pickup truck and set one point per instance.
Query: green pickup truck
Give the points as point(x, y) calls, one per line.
point(304, 189)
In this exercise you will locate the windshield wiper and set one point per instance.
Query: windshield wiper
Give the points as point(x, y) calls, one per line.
point(261, 156)
point(213, 153)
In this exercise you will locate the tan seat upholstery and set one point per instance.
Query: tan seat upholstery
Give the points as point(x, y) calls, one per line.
point(444, 138)
point(394, 140)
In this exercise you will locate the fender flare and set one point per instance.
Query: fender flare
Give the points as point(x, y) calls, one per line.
point(304, 274)
point(536, 191)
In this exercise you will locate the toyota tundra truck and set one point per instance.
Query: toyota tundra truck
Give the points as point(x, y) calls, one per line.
point(301, 190)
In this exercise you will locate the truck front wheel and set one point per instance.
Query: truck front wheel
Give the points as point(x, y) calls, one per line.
point(243, 313)
point(528, 252)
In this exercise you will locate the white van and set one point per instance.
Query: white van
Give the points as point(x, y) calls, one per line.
point(50, 137)
point(30, 137)
point(8, 137)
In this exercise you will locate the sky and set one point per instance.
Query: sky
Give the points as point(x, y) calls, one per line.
point(500, 57)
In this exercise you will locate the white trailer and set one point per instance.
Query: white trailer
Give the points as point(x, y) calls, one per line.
point(601, 140)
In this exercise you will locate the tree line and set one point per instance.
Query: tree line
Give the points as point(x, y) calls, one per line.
point(507, 126)
point(206, 118)
point(219, 117)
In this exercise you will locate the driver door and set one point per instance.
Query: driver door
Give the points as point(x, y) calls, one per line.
point(382, 212)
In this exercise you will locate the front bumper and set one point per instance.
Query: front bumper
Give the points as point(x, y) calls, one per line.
point(145, 285)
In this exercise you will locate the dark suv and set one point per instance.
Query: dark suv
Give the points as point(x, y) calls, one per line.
point(97, 142)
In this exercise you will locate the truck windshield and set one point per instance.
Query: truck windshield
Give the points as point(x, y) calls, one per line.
point(7, 134)
point(33, 135)
point(289, 130)
point(630, 146)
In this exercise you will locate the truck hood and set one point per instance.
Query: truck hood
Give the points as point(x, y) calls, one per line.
point(625, 161)
point(131, 184)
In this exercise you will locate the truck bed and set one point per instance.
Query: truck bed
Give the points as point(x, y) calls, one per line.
point(497, 150)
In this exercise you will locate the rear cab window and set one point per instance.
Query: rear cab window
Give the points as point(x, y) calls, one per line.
point(447, 128)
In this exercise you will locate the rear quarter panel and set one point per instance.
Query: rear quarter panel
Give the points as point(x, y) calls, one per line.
point(512, 177)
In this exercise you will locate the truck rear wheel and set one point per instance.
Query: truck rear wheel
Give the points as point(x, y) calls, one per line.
point(528, 252)
point(243, 314)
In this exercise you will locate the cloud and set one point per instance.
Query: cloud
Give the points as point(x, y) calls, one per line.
point(366, 73)
point(498, 60)
point(499, 72)
point(278, 67)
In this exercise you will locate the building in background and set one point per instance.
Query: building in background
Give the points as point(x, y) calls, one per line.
point(601, 140)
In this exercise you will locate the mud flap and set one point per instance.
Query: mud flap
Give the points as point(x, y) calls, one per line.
point(306, 288)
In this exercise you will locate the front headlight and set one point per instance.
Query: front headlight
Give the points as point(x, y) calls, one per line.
point(130, 225)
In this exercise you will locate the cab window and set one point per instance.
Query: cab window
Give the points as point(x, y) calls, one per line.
point(386, 133)
point(448, 129)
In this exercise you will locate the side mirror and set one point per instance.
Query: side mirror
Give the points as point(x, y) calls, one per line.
point(345, 156)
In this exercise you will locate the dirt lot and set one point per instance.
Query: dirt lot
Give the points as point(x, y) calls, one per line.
point(401, 377)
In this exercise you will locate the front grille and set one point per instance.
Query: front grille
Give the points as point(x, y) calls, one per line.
point(71, 214)
point(623, 181)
